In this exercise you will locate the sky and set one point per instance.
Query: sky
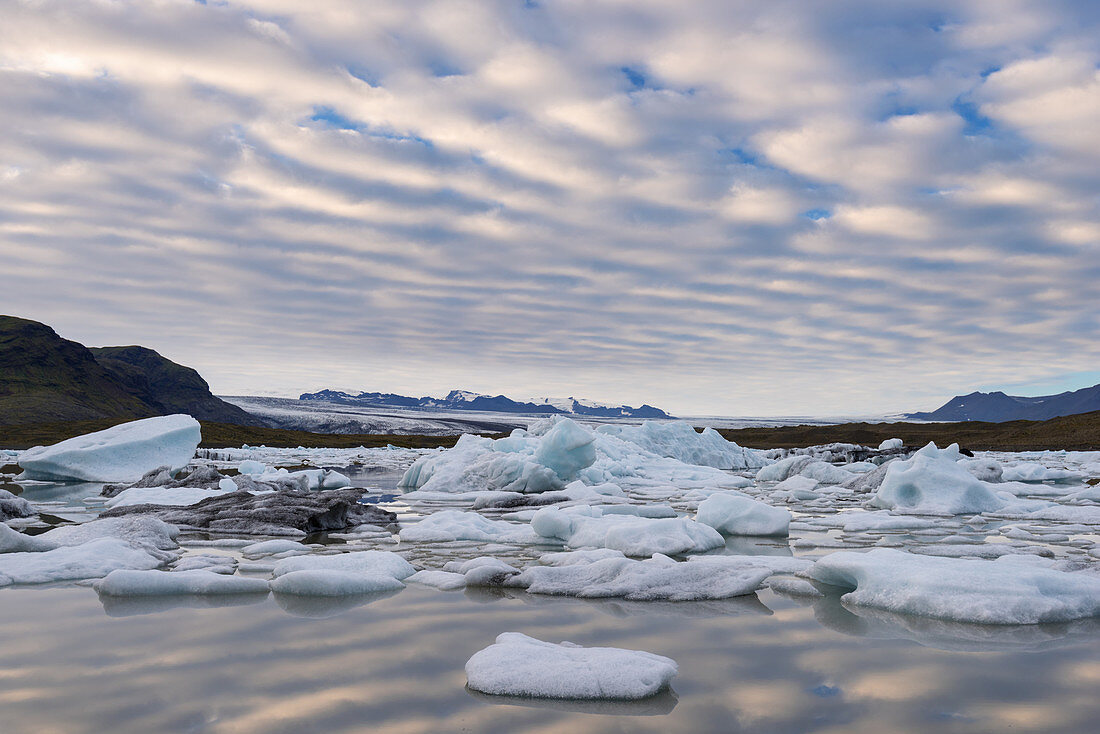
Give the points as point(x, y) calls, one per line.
point(845, 207)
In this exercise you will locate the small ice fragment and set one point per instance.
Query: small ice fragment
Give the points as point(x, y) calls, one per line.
point(518, 665)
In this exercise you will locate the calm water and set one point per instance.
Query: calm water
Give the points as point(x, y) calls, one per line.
point(760, 664)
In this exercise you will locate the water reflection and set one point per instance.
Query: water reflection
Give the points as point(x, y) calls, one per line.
point(322, 607)
point(129, 606)
point(397, 664)
point(660, 704)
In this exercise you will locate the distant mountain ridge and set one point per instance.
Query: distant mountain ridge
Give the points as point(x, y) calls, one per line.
point(44, 378)
point(462, 400)
point(997, 407)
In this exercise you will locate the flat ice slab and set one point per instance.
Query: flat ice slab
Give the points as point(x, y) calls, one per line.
point(165, 583)
point(518, 665)
point(122, 453)
point(1006, 591)
point(333, 582)
point(90, 560)
point(657, 578)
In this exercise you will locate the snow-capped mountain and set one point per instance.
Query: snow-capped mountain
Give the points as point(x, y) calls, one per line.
point(464, 400)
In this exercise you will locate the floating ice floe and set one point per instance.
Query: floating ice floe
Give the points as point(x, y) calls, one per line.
point(805, 466)
point(122, 453)
point(285, 513)
point(518, 665)
point(13, 541)
point(656, 578)
point(452, 525)
point(174, 496)
point(590, 527)
point(165, 583)
point(147, 532)
point(733, 514)
point(280, 547)
point(1032, 472)
point(381, 563)
point(341, 574)
point(890, 444)
point(481, 571)
point(1007, 591)
point(933, 481)
point(90, 560)
point(333, 582)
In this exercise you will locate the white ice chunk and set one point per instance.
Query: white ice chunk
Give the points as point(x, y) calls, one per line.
point(382, 563)
point(961, 590)
point(251, 466)
point(123, 453)
point(732, 514)
point(175, 496)
point(452, 525)
point(13, 541)
point(517, 665)
point(333, 582)
point(657, 578)
point(1032, 472)
point(933, 481)
point(566, 448)
point(481, 571)
point(93, 559)
point(273, 547)
point(141, 530)
point(890, 444)
point(679, 440)
point(159, 583)
point(443, 580)
point(634, 536)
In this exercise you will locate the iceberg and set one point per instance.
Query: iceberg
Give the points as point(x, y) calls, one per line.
point(518, 665)
point(933, 481)
point(122, 453)
point(555, 453)
point(1008, 591)
point(679, 440)
point(589, 527)
point(733, 514)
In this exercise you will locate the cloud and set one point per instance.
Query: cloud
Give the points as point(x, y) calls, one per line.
point(747, 208)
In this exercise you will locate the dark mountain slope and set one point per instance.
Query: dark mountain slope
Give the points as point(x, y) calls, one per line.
point(44, 378)
point(173, 387)
point(996, 407)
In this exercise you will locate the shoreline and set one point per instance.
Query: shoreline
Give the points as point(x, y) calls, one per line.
point(1079, 432)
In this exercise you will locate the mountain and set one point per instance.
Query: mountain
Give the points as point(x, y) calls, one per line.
point(44, 378)
point(462, 400)
point(170, 387)
point(997, 407)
